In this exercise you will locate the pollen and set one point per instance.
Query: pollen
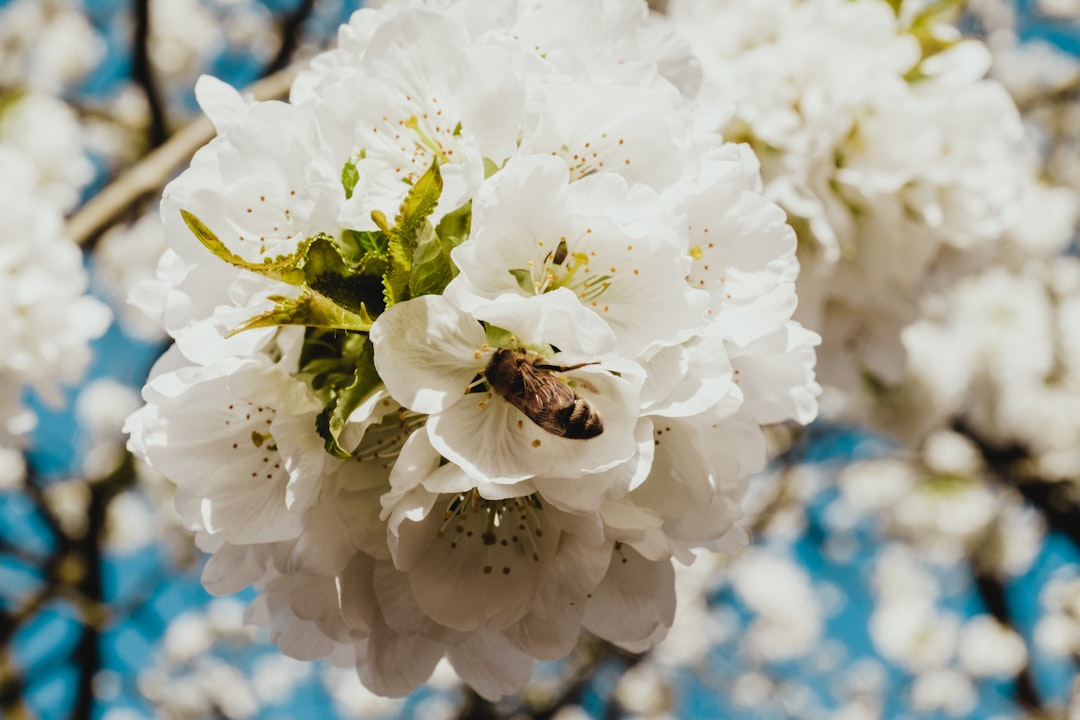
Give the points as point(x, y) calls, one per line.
point(536, 443)
point(695, 252)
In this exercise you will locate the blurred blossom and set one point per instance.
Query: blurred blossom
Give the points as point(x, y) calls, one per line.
point(68, 500)
point(913, 633)
point(192, 679)
point(951, 453)
point(188, 37)
point(12, 469)
point(353, 699)
point(828, 94)
point(101, 407)
point(187, 637)
point(644, 692)
point(788, 618)
point(46, 132)
point(1064, 9)
point(46, 44)
point(876, 484)
point(752, 689)
point(49, 319)
point(1058, 630)
point(944, 689)
point(184, 34)
point(988, 648)
point(130, 523)
point(275, 677)
point(125, 256)
point(906, 626)
point(1033, 68)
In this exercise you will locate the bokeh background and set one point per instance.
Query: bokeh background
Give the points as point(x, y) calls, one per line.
point(871, 590)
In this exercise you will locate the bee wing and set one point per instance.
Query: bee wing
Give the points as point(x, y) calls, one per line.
point(543, 390)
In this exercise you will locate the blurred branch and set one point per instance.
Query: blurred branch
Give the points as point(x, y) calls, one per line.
point(290, 36)
point(143, 72)
point(151, 173)
point(1056, 501)
point(12, 703)
point(993, 594)
point(88, 652)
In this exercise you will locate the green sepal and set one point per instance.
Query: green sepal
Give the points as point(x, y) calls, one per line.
point(312, 309)
point(490, 167)
point(524, 279)
point(349, 177)
point(365, 380)
point(454, 228)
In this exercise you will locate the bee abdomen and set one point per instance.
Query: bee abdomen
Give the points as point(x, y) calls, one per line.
point(581, 420)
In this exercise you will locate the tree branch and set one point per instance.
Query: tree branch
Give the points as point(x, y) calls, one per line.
point(290, 36)
point(143, 72)
point(151, 173)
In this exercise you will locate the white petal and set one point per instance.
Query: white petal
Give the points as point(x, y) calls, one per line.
point(426, 352)
point(636, 598)
point(551, 628)
point(393, 665)
point(494, 441)
point(475, 574)
point(491, 665)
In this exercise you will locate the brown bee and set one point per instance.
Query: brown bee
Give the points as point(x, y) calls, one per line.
point(524, 381)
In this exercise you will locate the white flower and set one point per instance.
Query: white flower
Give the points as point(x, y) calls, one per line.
point(545, 314)
point(238, 439)
point(428, 354)
point(44, 340)
point(885, 160)
point(47, 44)
point(612, 244)
point(46, 132)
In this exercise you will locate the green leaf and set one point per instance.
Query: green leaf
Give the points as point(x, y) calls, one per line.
point(356, 244)
point(283, 267)
point(455, 226)
point(312, 309)
point(490, 168)
point(498, 337)
point(524, 279)
point(365, 380)
point(319, 263)
point(432, 267)
point(403, 237)
point(349, 177)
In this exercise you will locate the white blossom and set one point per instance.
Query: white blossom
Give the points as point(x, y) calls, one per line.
point(548, 312)
point(886, 160)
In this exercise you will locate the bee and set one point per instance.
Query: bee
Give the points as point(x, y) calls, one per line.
point(523, 380)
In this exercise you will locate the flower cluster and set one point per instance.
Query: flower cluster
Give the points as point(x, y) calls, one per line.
point(473, 337)
point(899, 166)
point(48, 317)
